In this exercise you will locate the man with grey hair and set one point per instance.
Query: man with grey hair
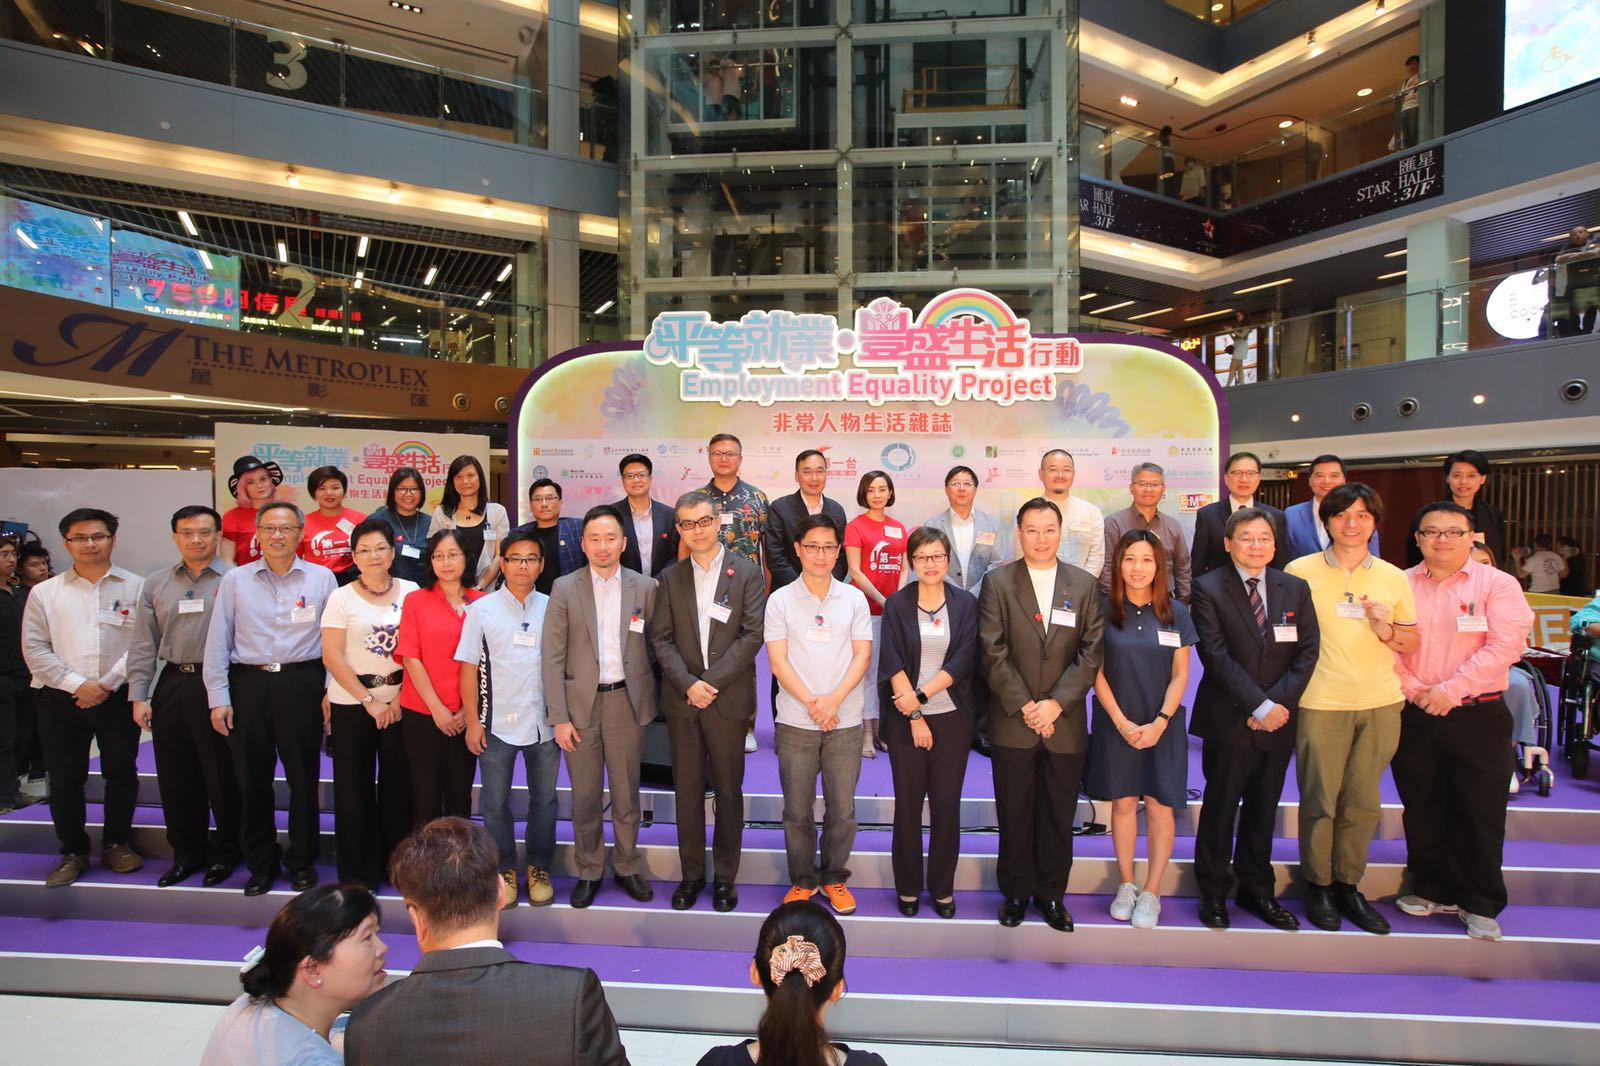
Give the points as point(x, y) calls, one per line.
point(706, 631)
point(264, 682)
point(1148, 484)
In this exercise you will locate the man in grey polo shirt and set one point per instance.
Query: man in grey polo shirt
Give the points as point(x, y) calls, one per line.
point(819, 642)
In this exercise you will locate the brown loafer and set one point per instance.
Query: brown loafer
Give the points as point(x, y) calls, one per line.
point(68, 870)
point(121, 859)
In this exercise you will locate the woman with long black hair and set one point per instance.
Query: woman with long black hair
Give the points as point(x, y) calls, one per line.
point(480, 523)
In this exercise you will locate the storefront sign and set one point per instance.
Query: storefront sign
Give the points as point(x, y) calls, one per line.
point(1147, 217)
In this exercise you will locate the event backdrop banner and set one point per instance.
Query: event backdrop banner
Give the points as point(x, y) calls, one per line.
point(367, 458)
point(963, 382)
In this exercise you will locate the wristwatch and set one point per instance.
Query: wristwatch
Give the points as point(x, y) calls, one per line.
point(367, 698)
point(922, 697)
point(1164, 716)
point(916, 716)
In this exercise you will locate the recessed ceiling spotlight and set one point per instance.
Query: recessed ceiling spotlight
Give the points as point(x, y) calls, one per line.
point(1295, 417)
point(1286, 123)
point(394, 193)
point(1363, 92)
point(290, 178)
point(488, 207)
point(399, 5)
point(1128, 101)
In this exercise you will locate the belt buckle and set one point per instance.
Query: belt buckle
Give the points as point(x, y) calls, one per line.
point(273, 668)
point(186, 668)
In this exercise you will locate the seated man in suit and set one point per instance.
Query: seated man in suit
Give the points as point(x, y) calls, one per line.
point(1039, 637)
point(647, 524)
point(706, 630)
point(599, 695)
point(1307, 534)
point(468, 999)
point(560, 539)
point(1259, 643)
point(1243, 478)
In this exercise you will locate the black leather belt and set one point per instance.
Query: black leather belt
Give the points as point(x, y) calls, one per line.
point(611, 686)
point(1484, 697)
point(379, 680)
point(273, 668)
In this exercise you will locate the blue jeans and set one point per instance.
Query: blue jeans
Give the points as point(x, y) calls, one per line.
point(495, 765)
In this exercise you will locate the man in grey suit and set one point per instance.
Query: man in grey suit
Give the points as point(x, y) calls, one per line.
point(706, 631)
point(468, 999)
point(600, 694)
point(1039, 635)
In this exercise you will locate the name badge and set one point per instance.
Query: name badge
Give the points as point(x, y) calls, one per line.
point(727, 519)
point(819, 634)
point(1346, 609)
point(986, 539)
point(345, 526)
point(893, 534)
point(192, 606)
point(525, 640)
point(112, 618)
point(410, 551)
point(302, 615)
point(930, 629)
point(1286, 634)
point(1472, 623)
point(1063, 617)
point(490, 533)
point(1168, 638)
point(636, 624)
point(720, 612)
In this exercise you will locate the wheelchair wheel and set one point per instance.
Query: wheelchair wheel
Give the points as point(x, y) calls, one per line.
point(1542, 778)
point(1578, 759)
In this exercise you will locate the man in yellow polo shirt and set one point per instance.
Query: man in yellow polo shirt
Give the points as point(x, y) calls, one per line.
point(1350, 713)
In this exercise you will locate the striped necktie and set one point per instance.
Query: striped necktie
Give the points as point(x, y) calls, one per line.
point(1256, 605)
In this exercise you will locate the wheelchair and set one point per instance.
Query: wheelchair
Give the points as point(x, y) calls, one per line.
point(1578, 717)
point(1527, 691)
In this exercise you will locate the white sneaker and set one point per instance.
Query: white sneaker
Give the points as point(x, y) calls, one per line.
point(1418, 907)
point(1147, 911)
point(1516, 783)
point(1122, 906)
point(36, 788)
point(1480, 926)
point(749, 743)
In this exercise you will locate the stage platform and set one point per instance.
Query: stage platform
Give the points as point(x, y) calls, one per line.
point(1424, 993)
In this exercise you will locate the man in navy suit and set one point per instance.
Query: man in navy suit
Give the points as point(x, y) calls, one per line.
point(1259, 642)
point(1243, 478)
point(1306, 533)
point(647, 525)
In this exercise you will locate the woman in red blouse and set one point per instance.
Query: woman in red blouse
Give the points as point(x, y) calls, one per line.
point(326, 540)
point(435, 724)
point(875, 548)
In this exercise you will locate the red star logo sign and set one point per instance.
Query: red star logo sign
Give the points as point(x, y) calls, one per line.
point(1208, 228)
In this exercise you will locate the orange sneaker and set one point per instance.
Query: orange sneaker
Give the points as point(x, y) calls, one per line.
point(797, 893)
point(840, 897)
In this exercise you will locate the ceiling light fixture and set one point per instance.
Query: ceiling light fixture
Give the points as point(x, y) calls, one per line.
point(1295, 417)
point(290, 178)
point(1112, 307)
point(603, 308)
point(24, 238)
point(488, 207)
point(505, 272)
point(1286, 123)
point(433, 272)
point(1263, 285)
point(1394, 254)
point(283, 251)
point(1087, 296)
point(1128, 101)
point(1381, 8)
point(400, 5)
point(1478, 398)
point(394, 193)
point(1209, 314)
point(1149, 314)
point(1395, 274)
point(361, 247)
point(1311, 43)
point(360, 275)
point(205, 259)
point(1363, 92)
point(188, 224)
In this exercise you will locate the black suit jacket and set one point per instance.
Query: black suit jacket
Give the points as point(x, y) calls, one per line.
point(784, 514)
point(484, 1006)
point(1241, 669)
point(1212, 519)
point(665, 531)
point(675, 635)
point(900, 648)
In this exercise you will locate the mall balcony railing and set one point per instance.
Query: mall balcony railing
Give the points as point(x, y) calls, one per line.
point(992, 87)
point(193, 43)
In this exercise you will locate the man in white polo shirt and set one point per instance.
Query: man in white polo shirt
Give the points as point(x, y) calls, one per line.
point(819, 642)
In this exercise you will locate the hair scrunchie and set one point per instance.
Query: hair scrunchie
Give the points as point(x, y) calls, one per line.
point(796, 953)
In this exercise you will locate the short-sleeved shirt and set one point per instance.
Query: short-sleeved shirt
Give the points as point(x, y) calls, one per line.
point(249, 1032)
point(371, 632)
point(1544, 571)
point(430, 630)
point(510, 681)
point(1355, 671)
point(239, 526)
point(742, 511)
point(883, 553)
point(326, 541)
point(818, 636)
point(1138, 658)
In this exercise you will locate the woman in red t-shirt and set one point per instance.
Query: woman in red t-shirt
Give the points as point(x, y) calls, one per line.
point(875, 548)
point(258, 481)
point(326, 540)
point(435, 725)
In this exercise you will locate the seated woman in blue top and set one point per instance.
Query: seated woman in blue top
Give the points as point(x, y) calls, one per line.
point(1138, 746)
point(928, 651)
point(799, 963)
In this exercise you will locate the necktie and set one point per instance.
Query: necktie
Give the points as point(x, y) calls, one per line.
point(1256, 605)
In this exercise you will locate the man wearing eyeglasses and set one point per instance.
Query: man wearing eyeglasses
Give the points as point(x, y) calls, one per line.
point(1242, 475)
point(1148, 485)
point(265, 682)
point(706, 631)
point(1455, 728)
point(560, 539)
point(75, 635)
point(648, 525)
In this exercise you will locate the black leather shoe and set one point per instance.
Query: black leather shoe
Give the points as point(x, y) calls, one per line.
point(980, 744)
point(635, 886)
point(1320, 907)
point(218, 873)
point(686, 893)
point(724, 897)
point(179, 873)
point(260, 882)
point(583, 893)
point(1353, 905)
point(947, 909)
point(909, 907)
point(1269, 910)
point(1011, 912)
point(1055, 915)
point(303, 878)
point(1214, 912)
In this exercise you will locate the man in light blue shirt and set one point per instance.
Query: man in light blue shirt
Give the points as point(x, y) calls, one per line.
point(265, 681)
point(500, 662)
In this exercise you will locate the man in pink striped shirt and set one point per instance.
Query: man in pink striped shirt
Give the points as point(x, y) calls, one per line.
point(1455, 730)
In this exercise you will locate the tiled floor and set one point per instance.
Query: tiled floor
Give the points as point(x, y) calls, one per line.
point(167, 1034)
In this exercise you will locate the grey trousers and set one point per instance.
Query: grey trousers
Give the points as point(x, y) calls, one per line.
point(608, 755)
point(802, 755)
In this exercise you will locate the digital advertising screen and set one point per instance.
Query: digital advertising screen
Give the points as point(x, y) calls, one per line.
point(159, 277)
point(59, 253)
point(1551, 46)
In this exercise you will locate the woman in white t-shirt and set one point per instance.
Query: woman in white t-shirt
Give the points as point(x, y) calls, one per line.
point(370, 813)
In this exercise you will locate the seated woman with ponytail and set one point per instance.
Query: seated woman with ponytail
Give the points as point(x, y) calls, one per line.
point(322, 957)
point(799, 963)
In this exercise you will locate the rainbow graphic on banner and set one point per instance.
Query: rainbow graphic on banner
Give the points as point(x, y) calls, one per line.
point(968, 303)
point(415, 447)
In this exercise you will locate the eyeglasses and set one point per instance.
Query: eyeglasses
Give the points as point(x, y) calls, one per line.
point(1149, 484)
point(195, 534)
point(1447, 534)
point(820, 549)
point(961, 484)
point(523, 560)
point(1254, 542)
point(929, 558)
point(725, 455)
point(278, 531)
point(544, 498)
point(689, 525)
point(372, 553)
point(406, 488)
point(1245, 474)
point(89, 538)
point(448, 557)
point(637, 475)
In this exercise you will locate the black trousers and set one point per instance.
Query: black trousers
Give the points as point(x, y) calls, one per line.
point(937, 774)
point(68, 731)
point(1244, 780)
point(8, 738)
point(194, 771)
point(30, 745)
point(706, 744)
point(1451, 775)
point(441, 769)
point(1036, 798)
point(371, 793)
point(278, 718)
